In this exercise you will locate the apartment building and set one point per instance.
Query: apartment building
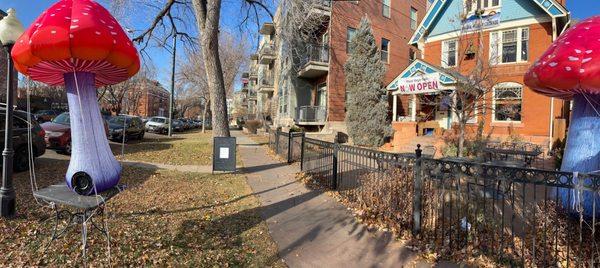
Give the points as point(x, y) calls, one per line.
point(153, 99)
point(3, 63)
point(505, 36)
point(318, 99)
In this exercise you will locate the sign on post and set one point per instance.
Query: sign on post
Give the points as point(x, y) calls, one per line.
point(224, 154)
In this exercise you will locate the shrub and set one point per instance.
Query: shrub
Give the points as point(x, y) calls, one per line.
point(253, 125)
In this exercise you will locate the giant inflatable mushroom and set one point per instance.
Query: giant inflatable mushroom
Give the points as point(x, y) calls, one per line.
point(78, 44)
point(570, 69)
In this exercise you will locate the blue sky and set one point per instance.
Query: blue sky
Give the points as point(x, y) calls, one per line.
point(231, 21)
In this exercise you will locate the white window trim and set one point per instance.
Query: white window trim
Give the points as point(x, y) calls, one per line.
point(487, 8)
point(444, 60)
point(505, 85)
point(498, 47)
point(383, 5)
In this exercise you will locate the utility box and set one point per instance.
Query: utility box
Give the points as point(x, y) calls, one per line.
point(224, 157)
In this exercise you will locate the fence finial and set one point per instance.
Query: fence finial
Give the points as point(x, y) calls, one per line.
point(418, 151)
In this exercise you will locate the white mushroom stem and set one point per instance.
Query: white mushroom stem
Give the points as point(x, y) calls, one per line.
point(91, 152)
point(582, 151)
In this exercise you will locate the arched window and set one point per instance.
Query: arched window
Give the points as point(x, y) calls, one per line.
point(507, 102)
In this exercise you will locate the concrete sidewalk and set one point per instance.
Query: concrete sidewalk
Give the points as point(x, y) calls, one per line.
point(310, 228)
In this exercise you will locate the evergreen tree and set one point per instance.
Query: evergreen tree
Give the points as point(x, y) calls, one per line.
point(366, 104)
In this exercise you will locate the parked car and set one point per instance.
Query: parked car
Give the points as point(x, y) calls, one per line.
point(178, 126)
point(185, 123)
point(158, 124)
point(20, 136)
point(133, 125)
point(58, 133)
point(46, 115)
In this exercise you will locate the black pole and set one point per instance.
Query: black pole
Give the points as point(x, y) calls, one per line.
point(172, 98)
point(417, 191)
point(7, 192)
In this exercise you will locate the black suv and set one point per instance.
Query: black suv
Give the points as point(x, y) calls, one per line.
point(20, 125)
point(134, 127)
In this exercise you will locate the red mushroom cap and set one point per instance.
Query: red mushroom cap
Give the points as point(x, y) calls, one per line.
point(76, 35)
point(571, 65)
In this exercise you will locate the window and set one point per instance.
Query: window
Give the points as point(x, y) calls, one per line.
point(349, 35)
point(386, 8)
point(509, 46)
point(385, 50)
point(321, 99)
point(412, 56)
point(449, 53)
point(414, 16)
point(472, 5)
point(507, 102)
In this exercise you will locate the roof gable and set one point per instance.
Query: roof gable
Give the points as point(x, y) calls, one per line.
point(419, 66)
point(550, 7)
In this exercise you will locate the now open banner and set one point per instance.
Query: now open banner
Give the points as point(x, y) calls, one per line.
point(425, 83)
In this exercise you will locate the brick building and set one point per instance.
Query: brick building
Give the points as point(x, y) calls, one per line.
point(154, 99)
point(319, 100)
point(3, 64)
point(508, 35)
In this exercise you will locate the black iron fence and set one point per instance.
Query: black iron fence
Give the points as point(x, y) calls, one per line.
point(286, 145)
point(508, 216)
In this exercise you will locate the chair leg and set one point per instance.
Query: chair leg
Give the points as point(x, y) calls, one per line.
point(84, 239)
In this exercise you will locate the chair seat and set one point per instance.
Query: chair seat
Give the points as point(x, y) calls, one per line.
point(61, 194)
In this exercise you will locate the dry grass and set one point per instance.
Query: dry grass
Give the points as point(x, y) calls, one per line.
point(192, 148)
point(164, 218)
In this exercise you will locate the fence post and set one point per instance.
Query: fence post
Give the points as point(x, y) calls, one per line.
point(277, 141)
point(290, 149)
point(302, 152)
point(417, 193)
point(334, 183)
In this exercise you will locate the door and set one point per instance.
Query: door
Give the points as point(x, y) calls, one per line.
point(321, 99)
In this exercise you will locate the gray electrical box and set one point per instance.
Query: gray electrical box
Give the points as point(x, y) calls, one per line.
point(224, 154)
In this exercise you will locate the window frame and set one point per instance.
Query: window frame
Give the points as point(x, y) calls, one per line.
point(497, 43)
point(414, 23)
point(481, 5)
point(389, 9)
point(349, 38)
point(507, 86)
point(444, 61)
point(387, 52)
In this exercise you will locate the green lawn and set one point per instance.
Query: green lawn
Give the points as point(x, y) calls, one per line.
point(164, 218)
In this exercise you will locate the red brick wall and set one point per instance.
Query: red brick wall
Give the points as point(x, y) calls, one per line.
point(396, 29)
point(535, 114)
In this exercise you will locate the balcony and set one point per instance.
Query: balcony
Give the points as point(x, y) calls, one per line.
point(267, 53)
point(311, 115)
point(316, 63)
point(265, 84)
point(267, 28)
point(318, 15)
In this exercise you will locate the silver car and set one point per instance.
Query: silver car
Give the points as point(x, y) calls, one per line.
point(157, 124)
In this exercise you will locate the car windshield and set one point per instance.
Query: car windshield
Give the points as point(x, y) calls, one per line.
point(119, 120)
point(62, 119)
point(158, 120)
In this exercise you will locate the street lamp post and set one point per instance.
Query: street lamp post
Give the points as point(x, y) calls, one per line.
point(172, 97)
point(10, 30)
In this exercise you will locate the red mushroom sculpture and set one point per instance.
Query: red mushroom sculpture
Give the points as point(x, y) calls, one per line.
point(570, 69)
point(78, 44)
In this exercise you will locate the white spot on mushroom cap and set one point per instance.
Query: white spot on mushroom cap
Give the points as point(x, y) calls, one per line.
point(75, 20)
point(581, 70)
point(586, 60)
point(53, 32)
point(568, 68)
point(552, 64)
point(74, 26)
point(589, 51)
point(577, 51)
point(97, 33)
point(85, 13)
point(571, 58)
point(71, 36)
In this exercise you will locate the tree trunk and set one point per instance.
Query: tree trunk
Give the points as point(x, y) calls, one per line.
point(461, 139)
point(207, 14)
point(204, 116)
